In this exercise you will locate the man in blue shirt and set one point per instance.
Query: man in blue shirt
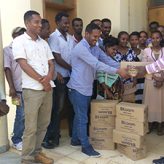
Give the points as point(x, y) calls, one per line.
point(86, 59)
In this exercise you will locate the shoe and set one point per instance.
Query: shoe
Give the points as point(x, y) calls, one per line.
point(17, 146)
point(42, 158)
point(159, 161)
point(48, 145)
point(90, 151)
point(75, 143)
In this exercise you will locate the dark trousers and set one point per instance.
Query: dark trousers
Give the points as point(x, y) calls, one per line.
point(60, 100)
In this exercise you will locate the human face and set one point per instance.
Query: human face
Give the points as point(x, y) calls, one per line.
point(123, 40)
point(134, 41)
point(34, 25)
point(78, 27)
point(111, 51)
point(156, 39)
point(153, 27)
point(45, 31)
point(63, 24)
point(106, 28)
point(142, 38)
point(92, 37)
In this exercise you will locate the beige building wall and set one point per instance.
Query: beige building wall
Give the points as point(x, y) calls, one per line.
point(128, 15)
point(12, 12)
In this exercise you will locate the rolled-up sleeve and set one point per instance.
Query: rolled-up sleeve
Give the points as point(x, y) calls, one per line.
point(95, 63)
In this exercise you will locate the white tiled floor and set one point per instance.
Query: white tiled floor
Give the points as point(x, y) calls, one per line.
point(65, 154)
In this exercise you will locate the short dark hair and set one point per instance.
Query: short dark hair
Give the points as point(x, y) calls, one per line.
point(59, 16)
point(144, 33)
point(122, 33)
point(154, 22)
point(44, 21)
point(94, 20)
point(135, 33)
point(91, 26)
point(28, 15)
point(106, 20)
point(110, 41)
point(76, 19)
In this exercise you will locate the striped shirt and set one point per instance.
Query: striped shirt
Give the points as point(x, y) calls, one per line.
point(156, 66)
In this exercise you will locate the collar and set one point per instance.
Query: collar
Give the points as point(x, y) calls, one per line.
point(59, 33)
point(29, 37)
point(85, 43)
point(10, 45)
point(74, 38)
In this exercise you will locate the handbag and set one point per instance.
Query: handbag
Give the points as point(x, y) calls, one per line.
point(4, 108)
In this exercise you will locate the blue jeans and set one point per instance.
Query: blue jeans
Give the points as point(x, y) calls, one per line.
point(60, 100)
point(19, 122)
point(80, 105)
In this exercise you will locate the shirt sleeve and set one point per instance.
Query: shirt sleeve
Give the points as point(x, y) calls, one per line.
point(86, 56)
point(105, 59)
point(156, 66)
point(18, 49)
point(53, 42)
point(7, 58)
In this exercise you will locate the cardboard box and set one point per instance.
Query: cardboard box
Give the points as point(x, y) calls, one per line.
point(102, 143)
point(100, 130)
point(129, 126)
point(132, 111)
point(128, 139)
point(132, 152)
point(104, 119)
point(103, 111)
point(132, 67)
point(104, 106)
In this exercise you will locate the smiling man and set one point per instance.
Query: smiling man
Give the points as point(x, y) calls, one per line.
point(85, 62)
point(61, 44)
point(35, 59)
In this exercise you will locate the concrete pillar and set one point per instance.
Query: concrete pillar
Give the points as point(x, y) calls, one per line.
point(4, 142)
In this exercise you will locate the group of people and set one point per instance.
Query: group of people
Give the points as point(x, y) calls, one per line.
point(48, 72)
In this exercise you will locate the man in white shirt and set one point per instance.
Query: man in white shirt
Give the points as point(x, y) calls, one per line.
point(77, 26)
point(61, 44)
point(35, 58)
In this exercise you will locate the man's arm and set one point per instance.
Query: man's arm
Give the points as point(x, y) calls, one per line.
point(29, 70)
point(12, 91)
point(99, 66)
point(50, 75)
point(61, 62)
point(151, 68)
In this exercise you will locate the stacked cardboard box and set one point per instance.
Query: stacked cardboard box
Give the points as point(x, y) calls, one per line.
point(102, 124)
point(131, 127)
